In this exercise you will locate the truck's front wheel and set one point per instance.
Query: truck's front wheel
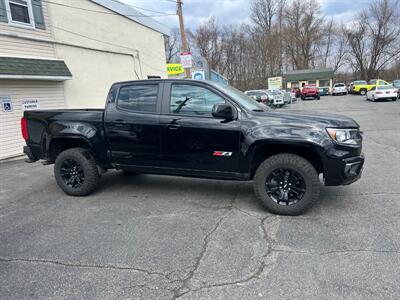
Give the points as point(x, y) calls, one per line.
point(363, 92)
point(76, 172)
point(286, 184)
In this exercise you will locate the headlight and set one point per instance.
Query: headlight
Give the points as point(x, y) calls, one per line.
point(345, 136)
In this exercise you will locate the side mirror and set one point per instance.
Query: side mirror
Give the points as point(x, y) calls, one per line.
point(222, 111)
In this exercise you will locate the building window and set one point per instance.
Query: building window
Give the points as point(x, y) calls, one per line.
point(312, 82)
point(323, 83)
point(20, 12)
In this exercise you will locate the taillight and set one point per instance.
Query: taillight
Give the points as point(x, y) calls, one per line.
point(24, 129)
point(378, 92)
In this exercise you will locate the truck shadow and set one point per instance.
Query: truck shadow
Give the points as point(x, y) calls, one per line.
point(197, 191)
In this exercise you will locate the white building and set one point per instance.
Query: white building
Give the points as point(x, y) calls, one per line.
point(66, 54)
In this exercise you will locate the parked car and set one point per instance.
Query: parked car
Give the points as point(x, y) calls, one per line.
point(323, 91)
point(339, 89)
point(362, 89)
point(396, 84)
point(287, 97)
point(258, 95)
point(354, 83)
point(385, 92)
point(275, 98)
point(292, 94)
point(310, 91)
point(297, 91)
point(198, 129)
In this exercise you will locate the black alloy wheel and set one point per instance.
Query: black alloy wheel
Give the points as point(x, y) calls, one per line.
point(72, 173)
point(285, 186)
point(76, 172)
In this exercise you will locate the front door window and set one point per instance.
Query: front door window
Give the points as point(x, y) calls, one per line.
point(193, 100)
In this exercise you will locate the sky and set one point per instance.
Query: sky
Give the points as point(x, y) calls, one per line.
point(233, 11)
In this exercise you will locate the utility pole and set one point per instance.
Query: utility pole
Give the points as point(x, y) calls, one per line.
point(183, 33)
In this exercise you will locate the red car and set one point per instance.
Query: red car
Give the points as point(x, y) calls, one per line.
point(310, 91)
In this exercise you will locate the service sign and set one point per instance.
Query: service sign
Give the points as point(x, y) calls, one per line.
point(174, 69)
point(6, 104)
point(30, 104)
point(186, 60)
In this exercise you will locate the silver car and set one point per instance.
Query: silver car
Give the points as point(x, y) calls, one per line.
point(275, 97)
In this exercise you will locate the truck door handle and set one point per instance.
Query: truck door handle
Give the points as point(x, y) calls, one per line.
point(119, 122)
point(173, 126)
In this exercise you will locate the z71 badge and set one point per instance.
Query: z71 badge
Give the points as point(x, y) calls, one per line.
point(222, 153)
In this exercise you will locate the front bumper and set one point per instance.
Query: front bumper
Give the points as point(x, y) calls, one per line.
point(343, 171)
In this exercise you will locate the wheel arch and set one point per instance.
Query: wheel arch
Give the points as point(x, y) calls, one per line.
point(62, 143)
point(265, 150)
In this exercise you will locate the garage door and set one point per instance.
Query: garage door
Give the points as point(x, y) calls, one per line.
point(47, 95)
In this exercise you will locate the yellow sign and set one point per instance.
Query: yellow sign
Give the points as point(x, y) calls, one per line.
point(173, 69)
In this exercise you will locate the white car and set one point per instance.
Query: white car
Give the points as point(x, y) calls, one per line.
point(258, 95)
point(383, 92)
point(339, 89)
point(275, 97)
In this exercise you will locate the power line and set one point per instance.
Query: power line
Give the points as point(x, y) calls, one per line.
point(108, 13)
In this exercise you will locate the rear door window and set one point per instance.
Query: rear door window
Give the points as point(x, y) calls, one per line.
point(141, 98)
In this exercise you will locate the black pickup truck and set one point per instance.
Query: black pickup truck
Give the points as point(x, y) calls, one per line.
point(198, 129)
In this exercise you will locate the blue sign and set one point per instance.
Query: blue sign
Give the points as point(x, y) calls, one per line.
point(198, 75)
point(6, 104)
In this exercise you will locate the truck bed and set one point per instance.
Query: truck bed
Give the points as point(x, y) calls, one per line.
point(45, 125)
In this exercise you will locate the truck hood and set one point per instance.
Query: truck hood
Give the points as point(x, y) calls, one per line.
point(310, 118)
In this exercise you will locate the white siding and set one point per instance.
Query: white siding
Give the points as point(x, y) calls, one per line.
point(50, 95)
point(94, 71)
point(14, 46)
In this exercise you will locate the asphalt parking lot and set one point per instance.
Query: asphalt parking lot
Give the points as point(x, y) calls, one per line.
point(160, 237)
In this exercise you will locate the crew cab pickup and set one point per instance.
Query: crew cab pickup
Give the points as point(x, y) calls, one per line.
point(310, 91)
point(198, 129)
point(362, 89)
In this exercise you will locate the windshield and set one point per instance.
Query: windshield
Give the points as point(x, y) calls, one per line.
point(360, 82)
point(255, 94)
point(396, 83)
point(240, 98)
point(274, 92)
point(388, 87)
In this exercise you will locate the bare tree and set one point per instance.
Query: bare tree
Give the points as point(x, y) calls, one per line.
point(302, 30)
point(374, 38)
point(262, 13)
point(208, 40)
point(172, 46)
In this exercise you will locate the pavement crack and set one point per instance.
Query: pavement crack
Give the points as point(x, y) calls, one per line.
point(255, 275)
point(80, 265)
point(184, 288)
point(334, 251)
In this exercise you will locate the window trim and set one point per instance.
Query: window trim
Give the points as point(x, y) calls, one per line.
point(167, 100)
point(31, 25)
point(159, 95)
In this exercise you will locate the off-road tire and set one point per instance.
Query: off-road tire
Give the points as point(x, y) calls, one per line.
point(296, 163)
point(88, 165)
point(363, 92)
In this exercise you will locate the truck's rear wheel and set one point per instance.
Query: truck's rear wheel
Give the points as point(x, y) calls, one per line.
point(286, 184)
point(363, 92)
point(76, 172)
